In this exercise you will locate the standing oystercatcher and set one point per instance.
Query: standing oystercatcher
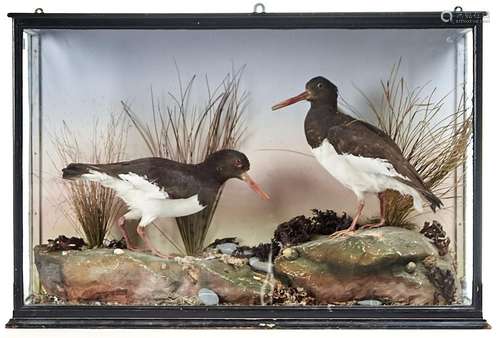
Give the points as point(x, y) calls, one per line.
point(155, 187)
point(360, 156)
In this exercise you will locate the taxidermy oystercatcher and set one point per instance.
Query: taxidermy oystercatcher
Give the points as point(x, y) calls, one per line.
point(155, 187)
point(359, 155)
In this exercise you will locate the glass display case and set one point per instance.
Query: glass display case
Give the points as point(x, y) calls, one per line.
point(248, 170)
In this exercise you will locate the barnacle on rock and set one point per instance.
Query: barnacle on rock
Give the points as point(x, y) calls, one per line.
point(233, 261)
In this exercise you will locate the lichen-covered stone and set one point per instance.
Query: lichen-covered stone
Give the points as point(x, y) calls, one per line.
point(369, 264)
point(140, 278)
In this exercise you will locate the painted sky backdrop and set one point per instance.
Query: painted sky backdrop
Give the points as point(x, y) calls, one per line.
point(86, 73)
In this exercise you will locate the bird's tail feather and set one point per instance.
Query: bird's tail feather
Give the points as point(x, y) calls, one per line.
point(434, 201)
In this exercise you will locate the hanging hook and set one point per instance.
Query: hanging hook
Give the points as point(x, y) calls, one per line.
point(259, 8)
point(458, 9)
point(39, 10)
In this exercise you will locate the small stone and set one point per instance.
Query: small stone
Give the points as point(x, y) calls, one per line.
point(258, 265)
point(118, 252)
point(369, 302)
point(411, 267)
point(227, 248)
point(208, 297)
point(290, 254)
point(163, 266)
point(64, 253)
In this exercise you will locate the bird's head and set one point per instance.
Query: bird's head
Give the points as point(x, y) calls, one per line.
point(233, 164)
point(318, 89)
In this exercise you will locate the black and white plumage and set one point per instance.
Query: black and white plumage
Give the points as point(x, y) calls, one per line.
point(156, 187)
point(359, 155)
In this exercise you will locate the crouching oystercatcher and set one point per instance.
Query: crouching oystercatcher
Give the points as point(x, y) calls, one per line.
point(156, 187)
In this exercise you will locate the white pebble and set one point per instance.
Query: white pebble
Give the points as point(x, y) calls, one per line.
point(370, 302)
point(208, 297)
point(118, 251)
point(227, 248)
point(259, 265)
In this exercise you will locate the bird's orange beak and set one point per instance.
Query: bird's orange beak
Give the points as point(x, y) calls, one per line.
point(302, 96)
point(254, 186)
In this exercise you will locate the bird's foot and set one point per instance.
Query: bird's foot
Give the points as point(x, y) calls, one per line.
point(141, 231)
point(373, 225)
point(341, 233)
point(134, 248)
point(161, 255)
point(129, 244)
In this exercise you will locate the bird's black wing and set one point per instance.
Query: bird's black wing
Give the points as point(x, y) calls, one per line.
point(364, 140)
point(176, 179)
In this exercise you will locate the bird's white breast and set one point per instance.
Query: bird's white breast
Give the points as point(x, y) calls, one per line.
point(359, 174)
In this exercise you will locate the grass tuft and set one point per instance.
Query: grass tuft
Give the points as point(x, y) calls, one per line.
point(90, 207)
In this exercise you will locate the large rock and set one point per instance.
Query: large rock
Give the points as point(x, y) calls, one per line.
point(394, 265)
point(378, 266)
point(139, 278)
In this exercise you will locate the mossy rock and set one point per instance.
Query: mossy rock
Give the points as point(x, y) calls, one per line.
point(368, 264)
point(141, 278)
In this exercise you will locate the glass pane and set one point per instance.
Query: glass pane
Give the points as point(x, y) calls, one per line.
point(130, 132)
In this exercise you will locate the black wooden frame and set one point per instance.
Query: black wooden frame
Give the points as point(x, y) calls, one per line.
point(36, 316)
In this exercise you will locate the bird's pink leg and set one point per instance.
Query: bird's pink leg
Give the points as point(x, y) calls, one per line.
point(141, 230)
point(381, 197)
point(121, 225)
point(352, 227)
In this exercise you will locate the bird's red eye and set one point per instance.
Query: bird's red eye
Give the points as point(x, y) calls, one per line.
point(238, 164)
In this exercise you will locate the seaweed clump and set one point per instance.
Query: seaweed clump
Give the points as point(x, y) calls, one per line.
point(261, 251)
point(443, 280)
point(327, 222)
point(294, 231)
point(436, 233)
point(116, 244)
point(63, 243)
point(298, 230)
point(222, 241)
point(282, 294)
point(301, 229)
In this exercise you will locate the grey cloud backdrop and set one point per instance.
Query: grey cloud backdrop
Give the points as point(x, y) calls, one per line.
point(85, 74)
